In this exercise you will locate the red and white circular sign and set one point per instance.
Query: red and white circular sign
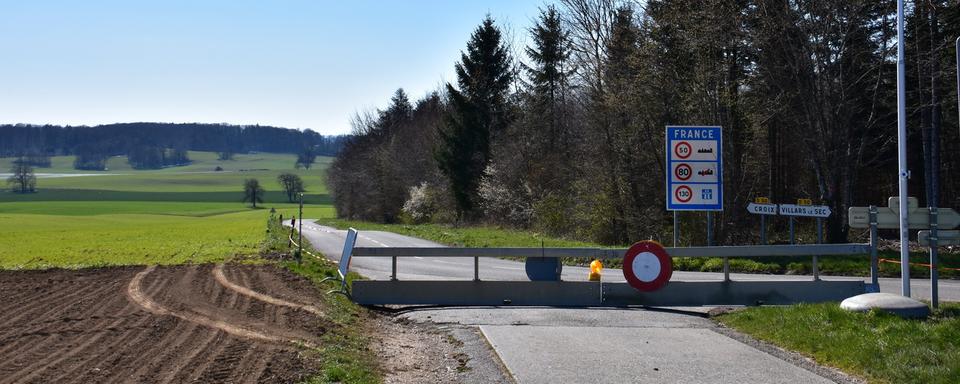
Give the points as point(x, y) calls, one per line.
point(683, 150)
point(647, 266)
point(683, 193)
point(683, 171)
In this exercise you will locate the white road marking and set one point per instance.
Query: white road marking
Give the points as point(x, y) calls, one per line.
point(374, 241)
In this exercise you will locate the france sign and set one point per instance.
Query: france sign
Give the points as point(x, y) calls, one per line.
point(695, 168)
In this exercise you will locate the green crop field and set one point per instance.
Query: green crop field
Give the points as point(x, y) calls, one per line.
point(176, 215)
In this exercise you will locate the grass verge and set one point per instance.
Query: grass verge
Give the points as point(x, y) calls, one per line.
point(345, 353)
point(874, 345)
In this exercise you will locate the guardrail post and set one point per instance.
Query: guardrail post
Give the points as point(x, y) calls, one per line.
point(816, 266)
point(726, 269)
point(476, 268)
point(874, 267)
point(393, 274)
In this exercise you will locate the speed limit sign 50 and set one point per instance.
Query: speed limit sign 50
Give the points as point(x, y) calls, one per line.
point(647, 266)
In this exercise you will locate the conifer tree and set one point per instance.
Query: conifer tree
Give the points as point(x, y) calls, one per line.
point(478, 111)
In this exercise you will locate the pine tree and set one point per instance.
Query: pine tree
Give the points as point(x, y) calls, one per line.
point(549, 73)
point(478, 111)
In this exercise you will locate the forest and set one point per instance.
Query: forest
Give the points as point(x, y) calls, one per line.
point(156, 145)
point(564, 135)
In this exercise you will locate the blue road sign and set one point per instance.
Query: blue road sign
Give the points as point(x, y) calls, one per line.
point(695, 168)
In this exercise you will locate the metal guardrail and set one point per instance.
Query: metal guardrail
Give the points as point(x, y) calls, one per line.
point(617, 253)
point(582, 293)
point(725, 252)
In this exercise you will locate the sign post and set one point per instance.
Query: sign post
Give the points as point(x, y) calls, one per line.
point(938, 220)
point(695, 174)
point(804, 209)
point(761, 206)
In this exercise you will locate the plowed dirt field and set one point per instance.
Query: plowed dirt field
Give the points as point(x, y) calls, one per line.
point(157, 325)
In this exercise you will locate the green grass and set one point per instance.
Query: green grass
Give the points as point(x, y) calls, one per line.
point(194, 178)
point(346, 356)
point(874, 345)
point(345, 353)
point(75, 235)
point(201, 161)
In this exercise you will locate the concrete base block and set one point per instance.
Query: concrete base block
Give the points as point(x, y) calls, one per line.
point(888, 302)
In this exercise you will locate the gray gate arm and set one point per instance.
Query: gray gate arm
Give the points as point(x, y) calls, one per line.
point(617, 253)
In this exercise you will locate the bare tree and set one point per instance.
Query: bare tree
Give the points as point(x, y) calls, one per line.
point(292, 185)
point(22, 179)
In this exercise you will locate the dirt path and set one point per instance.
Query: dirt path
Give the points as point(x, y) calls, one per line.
point(173, 324)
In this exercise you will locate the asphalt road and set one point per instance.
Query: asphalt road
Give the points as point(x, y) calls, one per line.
point(610, 345)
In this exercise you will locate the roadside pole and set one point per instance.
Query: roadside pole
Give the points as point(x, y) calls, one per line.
point(763, 229)
point(709, 229)
point(676, 228)
point(816, 258)
point(874, 240)
point(300, 232)
point(762, 206)
point(792, 238)
point(902, 155)
point(934, 275)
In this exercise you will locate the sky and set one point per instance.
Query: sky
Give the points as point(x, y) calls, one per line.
point(290, 63)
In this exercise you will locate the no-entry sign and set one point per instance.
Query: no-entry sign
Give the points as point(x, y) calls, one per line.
point(695, 174)
point(647, 266)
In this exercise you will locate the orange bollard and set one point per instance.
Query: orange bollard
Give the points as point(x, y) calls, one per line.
point(595, 268)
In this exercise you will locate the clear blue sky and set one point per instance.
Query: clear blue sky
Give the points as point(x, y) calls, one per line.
point(299, 64)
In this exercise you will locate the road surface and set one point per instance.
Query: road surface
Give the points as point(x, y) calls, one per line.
point(550, 345)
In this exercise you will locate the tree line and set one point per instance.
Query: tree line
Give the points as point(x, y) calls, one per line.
point(566, 135)
point(156, 145)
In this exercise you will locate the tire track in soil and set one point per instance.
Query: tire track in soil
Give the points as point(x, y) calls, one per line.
point(137, 295)
point(83, 327)
point(219, 276)
point(141, 333)
point(89, 326)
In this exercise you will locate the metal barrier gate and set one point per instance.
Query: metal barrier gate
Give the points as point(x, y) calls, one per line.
point(599, 293)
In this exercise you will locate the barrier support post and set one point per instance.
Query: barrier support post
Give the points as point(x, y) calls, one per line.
point(874, 263)
point(816, 266)
point(393, 274)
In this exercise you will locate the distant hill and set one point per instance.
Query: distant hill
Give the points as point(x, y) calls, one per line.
point(120, 139)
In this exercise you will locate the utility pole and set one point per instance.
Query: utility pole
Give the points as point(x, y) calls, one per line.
point(902, 156)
